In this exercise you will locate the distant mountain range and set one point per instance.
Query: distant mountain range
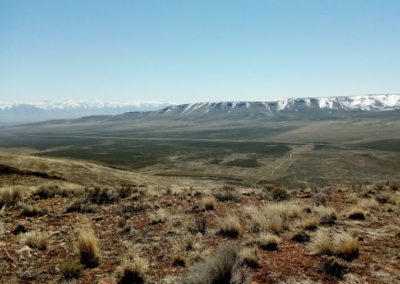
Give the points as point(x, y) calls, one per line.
point(292, 108)
point(19, 113)
point(356, 103)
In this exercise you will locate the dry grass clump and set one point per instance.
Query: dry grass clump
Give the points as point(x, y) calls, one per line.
point(229, 227)
point(268, 242)
point(300, 237)
point(210, 203)
point(327, 215)
point(268, 219)
point(49, 190)
point(157, 217)
point(368, 204)
point(102, 195)
point(88, 248)
point(10, 196)
point(79, 204)
point(279, 194)
point(71, 269)
point(287, 210)
point(186, 250)
point(334, 267)
point(357, 213)
point(30, 210)
point(321, 243)
point(320, 199)
point(341, 244)
point(222, 268)
point(35, 239)
point(227, 193)
point(310, 224)
point(250, 257)
point(198, 224)
point(133, 269)
point(345, 245)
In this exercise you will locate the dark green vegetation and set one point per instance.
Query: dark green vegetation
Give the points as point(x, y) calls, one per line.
point(246, 149)
point(134, 154)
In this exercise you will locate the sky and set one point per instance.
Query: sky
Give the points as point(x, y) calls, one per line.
point(191, 51)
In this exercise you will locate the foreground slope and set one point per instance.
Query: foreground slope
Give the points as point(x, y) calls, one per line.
point(336, 234)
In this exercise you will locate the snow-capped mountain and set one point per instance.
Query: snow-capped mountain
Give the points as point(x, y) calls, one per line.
point(323, 104)
point(17, 113)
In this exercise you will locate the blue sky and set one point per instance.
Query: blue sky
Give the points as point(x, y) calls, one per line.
point(188, 51)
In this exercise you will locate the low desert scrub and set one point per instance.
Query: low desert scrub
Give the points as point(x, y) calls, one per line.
point(275, 224)
point(223, 268)
point(35, 239)
point(210, 203)
point(268, 242)
point(102, 195)
point(250, 257)
point(394, 198)
point(321, 243)
point(198, 224)
point(10, 196)
point(310, 224)
point(334, 267)
point(229, 227)
point(79, 204)
point(157, 217)
point(357, 213)
point(368, 204)
point(30, 210)
point(186, 250)
point(301, 237)
point(320, 199)
point(88, 248)
point(71, 269)
point(227, 193)
point(341, 244)
point(279, 194)
point(49, 190)
point(266, 220)
point(287, 210)
point(327, 215)
point(133, 269)
point(345, 245)
point(179, 259)
point(382, 198)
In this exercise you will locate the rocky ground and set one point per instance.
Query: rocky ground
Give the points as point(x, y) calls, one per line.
point(172, 229)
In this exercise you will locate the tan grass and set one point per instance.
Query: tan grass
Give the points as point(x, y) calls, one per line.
point(88, 247)
point(268, 241)
point(158, 217)
point(229, 226)
point(368, 204)
point(321, 243)
point(209, 203)
point(133, 269)
point(345, 245)
point(357, 213)
point(10, 195)
point(250, 257)
point(35, 239)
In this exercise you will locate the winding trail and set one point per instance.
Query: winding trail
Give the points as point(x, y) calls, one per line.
point(286, 161)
